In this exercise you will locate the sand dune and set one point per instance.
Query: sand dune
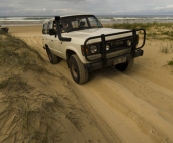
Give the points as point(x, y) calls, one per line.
point(137, 105)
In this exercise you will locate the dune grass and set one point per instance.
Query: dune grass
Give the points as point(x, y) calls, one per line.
point(168, 48)
point(15, 52)
point(28, 115)
point(29, 123)
point(154, 30)
point(170, 62)
point(3, 83)
point(19, 108)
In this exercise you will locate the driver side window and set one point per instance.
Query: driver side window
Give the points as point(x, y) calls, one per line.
point(93, 22)
point(83, 23)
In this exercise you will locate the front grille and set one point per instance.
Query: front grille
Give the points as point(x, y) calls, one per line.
point(115, 45)
point(122, 43)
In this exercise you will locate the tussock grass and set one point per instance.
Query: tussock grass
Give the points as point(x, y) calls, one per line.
point(74, 120)
point(28, 116)
point(3, 84)
point(32, 123)
point(154, 30)
point(165, 49)
point(168, 48)
point(28, 122)
point(170, 62)
point(16, 52)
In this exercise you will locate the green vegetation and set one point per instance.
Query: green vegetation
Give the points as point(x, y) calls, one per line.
point(19, 105)
point(32, 119)
point(154, 30)
point(164, 49)
point(170, 62)
point(13, 51)
point(3, 84)
point(27, 113)
point(167, 48)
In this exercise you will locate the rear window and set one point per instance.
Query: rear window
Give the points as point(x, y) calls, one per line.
point(50, 26)
point(44, 30)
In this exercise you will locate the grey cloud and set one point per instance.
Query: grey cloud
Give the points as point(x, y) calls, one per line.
point(55, 7)
point(25, 3)
point(72, 0)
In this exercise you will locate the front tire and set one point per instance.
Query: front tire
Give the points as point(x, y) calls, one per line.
point(52, 58)
point(77, 69)
point(125, 66)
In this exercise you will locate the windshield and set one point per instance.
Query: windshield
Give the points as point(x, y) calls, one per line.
point(74, 23)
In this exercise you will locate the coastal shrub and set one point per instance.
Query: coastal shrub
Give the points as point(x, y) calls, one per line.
point(21, 107)
point(28, 114)
point(154, 30)
point(170, 62)
point(164, 49)
point(3, 84)
point(11, 55)
point(168, 48)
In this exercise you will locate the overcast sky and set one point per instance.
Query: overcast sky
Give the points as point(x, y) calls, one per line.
point(97, 7)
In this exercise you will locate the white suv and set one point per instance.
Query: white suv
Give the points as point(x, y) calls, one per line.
point(86, 46)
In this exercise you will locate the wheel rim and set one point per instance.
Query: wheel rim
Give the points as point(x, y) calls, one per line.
point(74, 70)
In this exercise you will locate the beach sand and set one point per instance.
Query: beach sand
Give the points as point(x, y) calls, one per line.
point(135, 106)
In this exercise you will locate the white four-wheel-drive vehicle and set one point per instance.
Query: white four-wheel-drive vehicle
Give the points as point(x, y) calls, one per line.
point(86, 46)
point(4, 29)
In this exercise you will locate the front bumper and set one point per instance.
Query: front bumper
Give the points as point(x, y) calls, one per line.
point(109, 62)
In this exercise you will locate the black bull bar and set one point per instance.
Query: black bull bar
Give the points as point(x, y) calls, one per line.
point(103, 58)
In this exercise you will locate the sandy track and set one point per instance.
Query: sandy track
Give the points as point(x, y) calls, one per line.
point(137, 105)
point(129, 116)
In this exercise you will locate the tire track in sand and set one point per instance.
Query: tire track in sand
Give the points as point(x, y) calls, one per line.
point(135, 99)
point(100, 93)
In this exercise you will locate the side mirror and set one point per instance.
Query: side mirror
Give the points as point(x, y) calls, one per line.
point(52, 32)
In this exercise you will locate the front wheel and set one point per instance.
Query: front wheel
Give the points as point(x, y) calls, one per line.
point(77, 69)
point(125, 66)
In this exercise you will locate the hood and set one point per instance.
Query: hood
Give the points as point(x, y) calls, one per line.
point(84, 34)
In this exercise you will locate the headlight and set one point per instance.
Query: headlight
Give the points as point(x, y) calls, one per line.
point(129, 42)
point(93, 49)
point(107, 47)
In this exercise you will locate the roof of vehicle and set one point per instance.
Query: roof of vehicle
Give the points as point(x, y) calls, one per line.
point(75, 15)
point(62, 16)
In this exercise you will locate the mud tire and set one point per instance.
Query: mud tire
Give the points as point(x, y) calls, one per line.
point(77, 69)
